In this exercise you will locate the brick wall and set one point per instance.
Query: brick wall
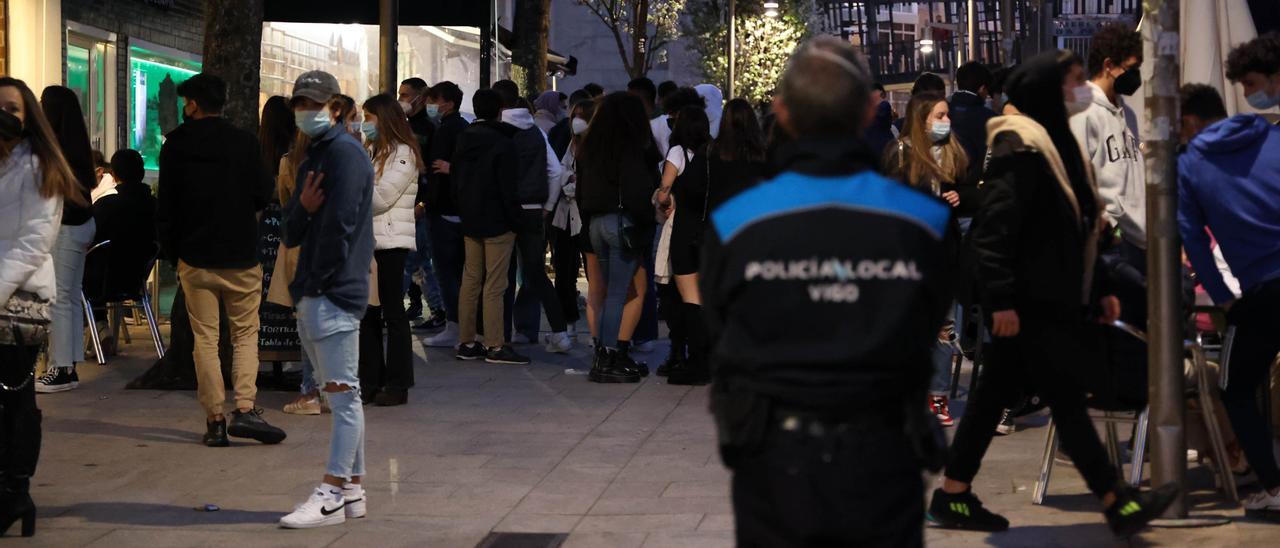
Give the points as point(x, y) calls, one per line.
point(179, 26)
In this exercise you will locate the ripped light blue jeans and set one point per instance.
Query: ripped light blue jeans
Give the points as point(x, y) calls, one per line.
point(943, 356)
point(331, 339)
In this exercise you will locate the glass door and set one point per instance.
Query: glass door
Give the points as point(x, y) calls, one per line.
point(88, 75)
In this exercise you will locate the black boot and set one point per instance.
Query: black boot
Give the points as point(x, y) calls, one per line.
point(695, 370)
point(622, 358)
point(608, 370)
point(16, 504)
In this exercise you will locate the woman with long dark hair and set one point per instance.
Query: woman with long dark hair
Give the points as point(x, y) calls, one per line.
point(1035, 244)
point(617, 171)
point(733, 162)
point(277, 132)
point(396, 163)
point(690, 132)
point(342, 110)
point(66, 339)
point(35, 182)
point(570, 239)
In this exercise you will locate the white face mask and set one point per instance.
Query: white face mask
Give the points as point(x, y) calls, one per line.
point(1079, 100)
point(406, 107)
point(579, 126)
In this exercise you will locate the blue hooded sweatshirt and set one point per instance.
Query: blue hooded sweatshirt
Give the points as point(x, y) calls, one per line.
point(1229, 182)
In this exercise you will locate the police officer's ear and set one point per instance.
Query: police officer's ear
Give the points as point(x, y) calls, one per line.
point(781, 115)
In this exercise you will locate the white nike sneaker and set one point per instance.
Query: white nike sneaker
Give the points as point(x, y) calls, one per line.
point(354, 498)
point(559, 343)
point(1263, 501)
point(324, 508)
point(448, 338)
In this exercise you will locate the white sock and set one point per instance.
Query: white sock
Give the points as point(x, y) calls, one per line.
point(353, 488)
point(331, 491)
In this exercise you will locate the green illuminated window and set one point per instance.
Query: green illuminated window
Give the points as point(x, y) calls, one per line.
point(154, 107)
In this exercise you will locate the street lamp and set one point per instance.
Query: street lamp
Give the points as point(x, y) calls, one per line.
point(926, 46)
point(771, 9)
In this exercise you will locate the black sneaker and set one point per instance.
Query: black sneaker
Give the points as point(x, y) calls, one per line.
point(1006, 425)
point(249, 424)
point(688, 374)
point(414, 311)
point(623, 360)
point(435, 322)
point(606, 370)
point(963, 511)
point(57, 379)
point(390, 397)
point(469, 352)
point(505, 355)
point(1134, 509)
point(215, 434)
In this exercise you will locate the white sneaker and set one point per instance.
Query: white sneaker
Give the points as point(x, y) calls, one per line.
point(559, 343)
point(324, 508)
point(444, 339)
point(1263, 501)
point(354, 499)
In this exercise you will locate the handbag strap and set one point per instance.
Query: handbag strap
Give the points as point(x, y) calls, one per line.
point(706, 200)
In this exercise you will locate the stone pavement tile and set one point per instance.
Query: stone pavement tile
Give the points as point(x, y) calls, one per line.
point(518, 522)
point(53, 536)
point(635, 490)
point(656, 470)
point(697, 489)
point(604, 540)
point(570, 472)
point(539, 464)
point(661, 505)
point(306, 538)
point(123, 514)
point(690, 539)
point(636, 523)
point(478, 475)
point(561, 498)
point(717, 522)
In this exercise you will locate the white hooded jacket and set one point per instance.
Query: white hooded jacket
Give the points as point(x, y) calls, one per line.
point(28, 227)
point(1108, 136)
point(394, 226)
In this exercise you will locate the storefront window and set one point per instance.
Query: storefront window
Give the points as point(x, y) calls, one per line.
point(87, 76)
point(154, 107)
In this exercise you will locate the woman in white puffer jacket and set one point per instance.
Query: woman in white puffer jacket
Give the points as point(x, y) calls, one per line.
point(397, 162)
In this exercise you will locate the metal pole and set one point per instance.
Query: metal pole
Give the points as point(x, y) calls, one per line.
point(733, 46)
point(486, 47)
point(1164, 331)
point(972, 30)
point(388, 19)
point(1006, 28)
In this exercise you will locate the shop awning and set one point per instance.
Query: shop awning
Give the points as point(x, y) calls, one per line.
point(459, 13)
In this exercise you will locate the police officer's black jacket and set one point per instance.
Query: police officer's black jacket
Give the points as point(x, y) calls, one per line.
point(825, 286)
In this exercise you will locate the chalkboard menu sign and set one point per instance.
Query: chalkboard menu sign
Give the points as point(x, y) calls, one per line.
point(278, 333)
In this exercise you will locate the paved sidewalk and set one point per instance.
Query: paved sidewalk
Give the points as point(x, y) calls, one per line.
point(480, 448)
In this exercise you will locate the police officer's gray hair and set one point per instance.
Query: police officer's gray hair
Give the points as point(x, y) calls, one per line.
point(825, 88)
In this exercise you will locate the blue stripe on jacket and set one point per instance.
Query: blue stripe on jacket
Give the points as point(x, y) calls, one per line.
point(791, 193)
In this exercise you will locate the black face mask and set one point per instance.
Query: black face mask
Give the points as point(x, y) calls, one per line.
point(1129, 82)
point(10, 126)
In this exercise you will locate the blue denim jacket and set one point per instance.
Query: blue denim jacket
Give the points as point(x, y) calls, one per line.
point(337, 242)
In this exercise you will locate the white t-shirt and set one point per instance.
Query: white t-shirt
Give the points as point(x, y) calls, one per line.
point(677, 157)
point(661, 133)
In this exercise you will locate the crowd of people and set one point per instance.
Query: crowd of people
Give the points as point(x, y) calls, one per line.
point(1016, 203)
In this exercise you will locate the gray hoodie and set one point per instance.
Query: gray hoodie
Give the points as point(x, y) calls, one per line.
point(1108, 136)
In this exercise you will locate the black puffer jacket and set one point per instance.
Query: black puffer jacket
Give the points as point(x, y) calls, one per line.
point(1028, 243)
point(484, 173)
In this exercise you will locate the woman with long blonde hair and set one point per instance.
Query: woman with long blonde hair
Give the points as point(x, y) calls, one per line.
point(928, 156)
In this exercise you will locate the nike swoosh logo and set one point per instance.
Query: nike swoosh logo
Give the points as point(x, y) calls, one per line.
point(327, 512)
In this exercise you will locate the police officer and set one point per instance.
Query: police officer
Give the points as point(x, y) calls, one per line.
point(824, 289)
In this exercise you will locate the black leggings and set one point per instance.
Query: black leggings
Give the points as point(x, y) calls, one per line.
point(19, 418)
point(1256, 319)
point(394, 369)
point(672, 310)
point(566, 260)
point(1046, 352)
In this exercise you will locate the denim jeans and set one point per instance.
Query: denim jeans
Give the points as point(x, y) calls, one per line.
point(331, 338)
point(618, 266)
point(447, 254)
point(309, 383)
point(66, 333)
point(422, 258)
point(943, 354)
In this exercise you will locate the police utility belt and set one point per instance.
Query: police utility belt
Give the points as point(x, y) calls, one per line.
point(746, 418)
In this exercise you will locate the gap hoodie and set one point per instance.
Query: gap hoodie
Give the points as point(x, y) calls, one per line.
point(1108, 136)
point(1229, 182)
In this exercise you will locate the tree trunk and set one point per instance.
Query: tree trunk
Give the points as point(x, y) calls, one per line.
point(533, 21)
point(639, 34)
point(233, 52)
